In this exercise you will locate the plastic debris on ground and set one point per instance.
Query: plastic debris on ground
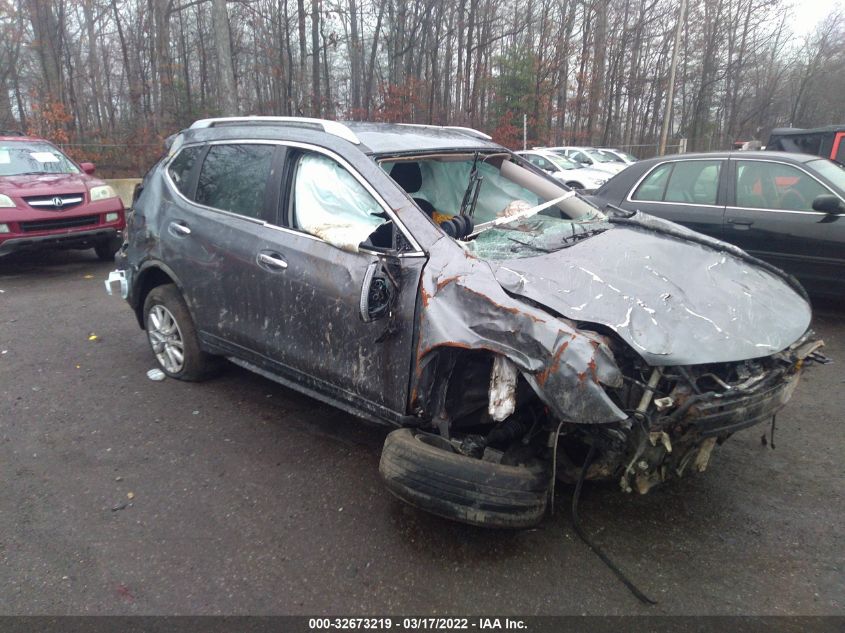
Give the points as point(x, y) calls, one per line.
point(156, 374)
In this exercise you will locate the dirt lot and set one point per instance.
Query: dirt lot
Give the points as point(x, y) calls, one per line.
point(125, 496)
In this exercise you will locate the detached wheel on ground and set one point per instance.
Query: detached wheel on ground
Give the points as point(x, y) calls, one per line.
point(425, 470)
point(107, 250)
point(173, 336)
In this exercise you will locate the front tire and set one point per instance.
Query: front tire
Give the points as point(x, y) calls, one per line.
point(423, 470)
point(173, 336)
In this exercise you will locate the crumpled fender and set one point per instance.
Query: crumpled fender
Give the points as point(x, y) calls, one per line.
point(463, 306)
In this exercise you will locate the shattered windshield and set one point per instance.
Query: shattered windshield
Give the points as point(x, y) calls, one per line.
point(531, 213)
point(533, 236)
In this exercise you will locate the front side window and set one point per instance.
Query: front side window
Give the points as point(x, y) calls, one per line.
point(234, 178)
point(768, 185)
point(18, 158)
point(329, 203)
point(540, 162)
point(581, 157)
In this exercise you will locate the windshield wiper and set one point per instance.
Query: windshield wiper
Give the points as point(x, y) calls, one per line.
point(527, 213)
point(32, 173)
point(472, 190)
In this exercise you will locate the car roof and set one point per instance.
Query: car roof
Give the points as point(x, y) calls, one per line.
point(797, 131)
point(370, 138)
point(8, 138)
point(759, 154)
point(390, 138)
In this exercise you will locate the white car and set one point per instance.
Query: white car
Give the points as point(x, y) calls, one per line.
point(572, 174)
point(589, 157)
point(619, 156)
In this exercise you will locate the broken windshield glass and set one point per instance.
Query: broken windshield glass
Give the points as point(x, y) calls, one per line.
point(533, 236)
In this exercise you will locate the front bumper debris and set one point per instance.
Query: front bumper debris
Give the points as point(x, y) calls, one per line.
point(118, 276)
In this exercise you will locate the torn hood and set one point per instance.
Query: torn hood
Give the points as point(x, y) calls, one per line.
point(673, 301)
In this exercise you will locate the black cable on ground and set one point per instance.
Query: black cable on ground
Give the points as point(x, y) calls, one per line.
point(576, 524)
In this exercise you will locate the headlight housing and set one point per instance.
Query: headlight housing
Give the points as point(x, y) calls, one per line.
point(4, 228)
point(112, 217)
point(101, 192)
point(6, 201)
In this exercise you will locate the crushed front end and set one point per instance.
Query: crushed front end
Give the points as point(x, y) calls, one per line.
point(678, 414)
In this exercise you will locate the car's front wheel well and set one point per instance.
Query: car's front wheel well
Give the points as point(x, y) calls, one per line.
point(147, 280)
point(480, 395)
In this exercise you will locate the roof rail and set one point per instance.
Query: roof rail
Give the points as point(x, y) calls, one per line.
point(331, 127)
point(467, 130)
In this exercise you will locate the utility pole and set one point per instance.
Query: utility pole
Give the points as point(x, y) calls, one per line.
point(670, 93)
point(524, 132)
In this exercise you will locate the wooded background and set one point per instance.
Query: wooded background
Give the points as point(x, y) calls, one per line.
point(109, 79)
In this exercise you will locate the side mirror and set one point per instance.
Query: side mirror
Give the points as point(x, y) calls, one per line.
point(378, 291)
point(88, 168)
point(829, 204)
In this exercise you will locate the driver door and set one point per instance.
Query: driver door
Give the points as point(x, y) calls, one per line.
point(334, 235)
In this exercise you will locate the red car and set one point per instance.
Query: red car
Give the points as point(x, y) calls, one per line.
point(49, 201)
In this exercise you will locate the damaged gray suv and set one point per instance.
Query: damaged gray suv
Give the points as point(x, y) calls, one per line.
point(430, 279)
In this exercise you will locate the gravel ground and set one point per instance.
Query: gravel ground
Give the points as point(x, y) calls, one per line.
point(237, 496)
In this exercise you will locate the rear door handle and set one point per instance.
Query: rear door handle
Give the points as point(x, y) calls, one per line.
point(179, 229)
point(273, 261)
point(741, 225)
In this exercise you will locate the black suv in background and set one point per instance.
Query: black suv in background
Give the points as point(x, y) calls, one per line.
point(430, 279)
point(827, 142)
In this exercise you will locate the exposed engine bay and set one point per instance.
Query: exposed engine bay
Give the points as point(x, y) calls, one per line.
point(677, 415)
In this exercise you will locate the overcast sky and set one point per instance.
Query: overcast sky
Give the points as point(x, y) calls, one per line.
point(808, 13)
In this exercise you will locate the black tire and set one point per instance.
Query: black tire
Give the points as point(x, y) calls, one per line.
point(107, 250)
point(196, 364)
point(423, 470)
point(574, 185)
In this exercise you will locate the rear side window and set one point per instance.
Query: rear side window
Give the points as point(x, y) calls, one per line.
point(654, 185)
point(181, 168)
point(691, 182)
point(234, 178)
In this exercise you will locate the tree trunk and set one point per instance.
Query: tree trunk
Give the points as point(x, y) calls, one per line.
point(227, 96)
point(317, 98)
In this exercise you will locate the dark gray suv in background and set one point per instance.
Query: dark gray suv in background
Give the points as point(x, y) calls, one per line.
point(428, 278)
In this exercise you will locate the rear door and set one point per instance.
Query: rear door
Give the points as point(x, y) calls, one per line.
point(215, 232)
point(770, 215)
point(689, 192)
